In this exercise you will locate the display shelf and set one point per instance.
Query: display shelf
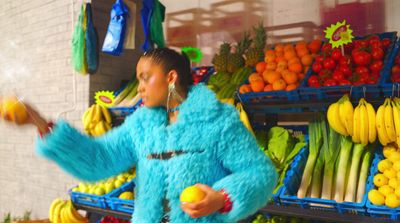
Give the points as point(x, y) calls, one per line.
point(103, 212)
point(319, 215)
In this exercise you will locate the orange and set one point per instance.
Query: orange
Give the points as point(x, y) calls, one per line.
point(315, 45)
point(257, 86)
point(246, 88)
point(279, 59)
point(306, 60)
point(288, 47)
point(260, 67)
point(290, 77)
point(289, 54)
point(291, 87)
point(279, 54)
point(301, 76)
point(279, 85)
point(295, 67)
point(270, 76)
point(279, 47)
point(282, 65)
point(293, 60)
point(254, 77)
point(268, 87)
point(301, 45)
point(302, 52)
point(271, 66)
point(270, 58)
point(269, 52)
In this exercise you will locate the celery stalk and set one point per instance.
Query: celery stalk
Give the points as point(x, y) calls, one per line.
point(345, 152)
point(363, 175)
point(354, 173)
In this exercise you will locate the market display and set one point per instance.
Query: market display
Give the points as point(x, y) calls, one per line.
point(63, 211)
point(96, 120)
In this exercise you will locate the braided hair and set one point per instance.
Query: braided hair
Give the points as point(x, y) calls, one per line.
point(169, 60)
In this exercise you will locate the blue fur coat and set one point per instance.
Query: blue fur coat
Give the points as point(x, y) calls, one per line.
point(219, 152)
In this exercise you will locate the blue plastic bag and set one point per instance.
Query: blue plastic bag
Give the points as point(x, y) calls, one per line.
point(114, 41)
point(92, 54)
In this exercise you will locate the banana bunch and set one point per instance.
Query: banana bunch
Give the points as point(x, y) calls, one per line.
point(243, 117)
point(388, 121)
point(359, 122)
point(62, 211)
point(340, 116)
point(364, 123)
point(96, 120)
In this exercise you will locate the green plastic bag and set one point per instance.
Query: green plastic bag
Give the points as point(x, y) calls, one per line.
point(79, 44)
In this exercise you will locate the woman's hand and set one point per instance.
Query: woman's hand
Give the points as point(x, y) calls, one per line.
point(33, 117)
point(212, 202)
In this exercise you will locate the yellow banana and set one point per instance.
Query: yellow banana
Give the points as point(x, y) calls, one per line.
point(108, 126)
point(71, 217)
point(87, 119)
point(63, 215)
point(356, 125)
point(363, 122)
point(334, 120)
point(97, 116)
point(389, 121)
point(52, 207)
point(380, 125)
point(100, 128)
point(106, 114)
point(396, 119)
point(346, 113)
point(243, 117)
point(57, 211)
point(371, 122)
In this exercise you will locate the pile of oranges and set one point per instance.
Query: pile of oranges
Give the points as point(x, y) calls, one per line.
point(284, 67)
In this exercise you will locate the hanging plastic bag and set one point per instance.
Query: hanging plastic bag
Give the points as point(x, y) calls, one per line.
point(92, 53)
point(79, 45)
point(129, 42)
point(146, 13)
point(156, 27)
point(113, 43)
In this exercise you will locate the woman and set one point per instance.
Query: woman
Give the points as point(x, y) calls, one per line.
point(183, 136)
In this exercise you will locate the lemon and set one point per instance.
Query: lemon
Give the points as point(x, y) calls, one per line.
point(396, 166)
point(388, 150)
point(397, 191)
point(376, 197)
point(398, 175)
point(386, 190)
point(13, 108)
point(393, 182)
point(394, 156)
point(384, 165)
point(392, 201)
point(380, 180)
point(127, 195)
point(192, 194)
point(390, 173)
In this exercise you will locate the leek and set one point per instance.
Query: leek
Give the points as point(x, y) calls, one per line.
point(363, 175)
point(354, 173)
point(317, 176)
point(314, 146)
point(345, 152)
point(331, 153)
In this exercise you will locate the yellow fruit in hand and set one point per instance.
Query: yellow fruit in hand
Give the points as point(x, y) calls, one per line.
point(388, 150)
point(384, 165)
point(392, 201)
point(376, 197)
point(385, 190)
point(192, 194)
point(394, 156)
point(390, 173)
point(380, 180)
point(14, 109)
point(127, 196)
point(393, 182)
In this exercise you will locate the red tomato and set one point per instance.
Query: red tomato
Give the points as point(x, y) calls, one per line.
point(376, 66)
point(396, 78)
point(377, 53)
point(324, 74)
point(336, 54)
point(397, 59)
point(330, 82)
point(346, 70)
point(374, 39)
point(362, 70)
point(364, 78)
point(344, 82)
point(386, 42)
point(396, 69)
point(344, 60)
point(338, 75)
point(313, 81)
point(319, 59)
point(329, 63)
point(362, 58)
point(326, 47)
point(317, 67)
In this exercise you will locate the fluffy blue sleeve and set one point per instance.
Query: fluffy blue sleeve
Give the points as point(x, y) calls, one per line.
point(253, 176)
point(87, 158)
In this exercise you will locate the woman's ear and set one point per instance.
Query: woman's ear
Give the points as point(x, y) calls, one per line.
point(172, 77)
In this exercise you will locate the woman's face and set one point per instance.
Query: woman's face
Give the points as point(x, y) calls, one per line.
point(153, 83)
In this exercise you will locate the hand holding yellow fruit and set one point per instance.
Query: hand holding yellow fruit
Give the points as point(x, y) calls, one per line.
point(192, 194)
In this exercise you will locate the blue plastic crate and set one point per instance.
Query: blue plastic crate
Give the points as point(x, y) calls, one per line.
point(335, 92)
point(209, 71)
point(88, 199)
point(292, 183)
point(114, 203)
point(125, 111)
point(380, 211)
